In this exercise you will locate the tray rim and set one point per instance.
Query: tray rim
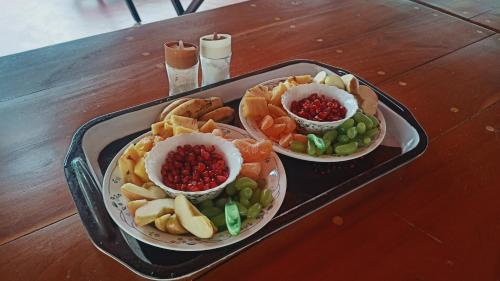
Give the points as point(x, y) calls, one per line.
point(75, 150)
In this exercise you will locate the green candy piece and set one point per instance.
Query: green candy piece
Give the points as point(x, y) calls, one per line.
point(318, 143)
point(347, 124)
point(346, 149)
point(372, 133)
point(352, 132)
point(211, 211)
point(297, 146)
point(361, 118)
point(233, 219)
point(311, 148)
point(329, 137)
point(361, 128)
point(243, 182)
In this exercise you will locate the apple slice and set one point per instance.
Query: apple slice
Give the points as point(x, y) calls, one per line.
point(369, 100)
point(134, 205)
point(351, 83)
point(161, 222)
point(153, 209)
point(192, 219)
point(135, 192)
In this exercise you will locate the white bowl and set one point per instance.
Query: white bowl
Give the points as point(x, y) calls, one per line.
point(303, 91)
point(156, 158)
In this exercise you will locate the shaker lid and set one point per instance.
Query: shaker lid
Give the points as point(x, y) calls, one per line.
point(215, 46)
point(180, 54)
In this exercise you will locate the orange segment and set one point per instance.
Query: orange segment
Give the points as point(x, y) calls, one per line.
point(266, 122)
point(251, 170)
point(254, 152)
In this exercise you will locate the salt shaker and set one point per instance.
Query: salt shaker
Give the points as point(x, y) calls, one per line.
point(181, 61)
point(215, 53)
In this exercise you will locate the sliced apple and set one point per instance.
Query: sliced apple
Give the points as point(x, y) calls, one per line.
point(174, 226)
point(136, 204)
point(320, 77)
point(126, 167)
point(148, 212)
point(335, 80)
point(161, 222)
point(351, 83)
point(135, 192)
point(192, 219)
point(369, 100)
point(208, 127)
point(140, 170)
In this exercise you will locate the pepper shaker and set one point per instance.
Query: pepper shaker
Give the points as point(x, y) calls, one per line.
point(181, 61)
point(215, 54)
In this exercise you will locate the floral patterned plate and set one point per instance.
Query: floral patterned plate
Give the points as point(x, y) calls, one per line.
point(116, 204)
point(253, 129)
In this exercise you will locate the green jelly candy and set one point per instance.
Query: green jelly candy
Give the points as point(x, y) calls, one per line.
point(211, 211)
point(266, 197)
point(361, 128)
point(243, 210)
point(347, 124)
point(243, 182)
point(374, 120)
point(361, 118)
point(221, 202)
point(352, 132)
point(297, 146)
point(219, 221)
point(254, 211)
point(329, 137)
point(233, 219)
point(246, 193)
point(231, 189)
point(343, 139)
point(206, 203)
point(318, 142)
point(346, 149)
point(372, 133)
point(311, 148)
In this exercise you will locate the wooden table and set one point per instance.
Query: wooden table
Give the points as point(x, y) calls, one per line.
point(435, 219)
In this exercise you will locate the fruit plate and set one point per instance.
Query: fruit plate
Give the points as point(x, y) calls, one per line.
point(252, 128)
point(116, 205)
point(310, 185)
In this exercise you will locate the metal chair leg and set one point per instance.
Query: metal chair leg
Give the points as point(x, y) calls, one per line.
point(178, 7)
point(195, 4)
point(133, 10)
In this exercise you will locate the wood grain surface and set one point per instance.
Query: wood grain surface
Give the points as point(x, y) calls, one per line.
point(436, 218)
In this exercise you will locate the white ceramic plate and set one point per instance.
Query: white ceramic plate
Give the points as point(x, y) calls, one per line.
point(116, 204)
point(253, 129)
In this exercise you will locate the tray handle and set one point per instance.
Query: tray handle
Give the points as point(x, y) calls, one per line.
point(92, 196)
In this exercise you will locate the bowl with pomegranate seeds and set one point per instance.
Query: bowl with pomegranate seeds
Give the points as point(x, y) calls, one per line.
point(317, 107)
point(196, 165)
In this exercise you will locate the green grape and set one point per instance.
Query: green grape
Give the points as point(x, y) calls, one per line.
point(243, 210)
point(266, 197)
point(254, 211)
point(206, 203)
point(347, 124)
point(219, 221)
point(231, 189)
point(343, 139)
point(367, 140)
point(346, 149)
point(329, 137)
point(256, 196)
point(244, 182)
point(211, 211)
point(361, 128)
point(297, 146)
point(374, 120)
point(245, 202)
point(361, 118)
point(372, 133)
point(329, 150)
point(246, 193)
point(221, 202)
point(352, 132)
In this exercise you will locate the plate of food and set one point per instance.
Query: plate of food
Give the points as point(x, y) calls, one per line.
point(191, 185)
point(325, 118)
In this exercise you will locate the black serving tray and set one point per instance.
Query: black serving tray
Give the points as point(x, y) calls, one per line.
point(310, 185)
